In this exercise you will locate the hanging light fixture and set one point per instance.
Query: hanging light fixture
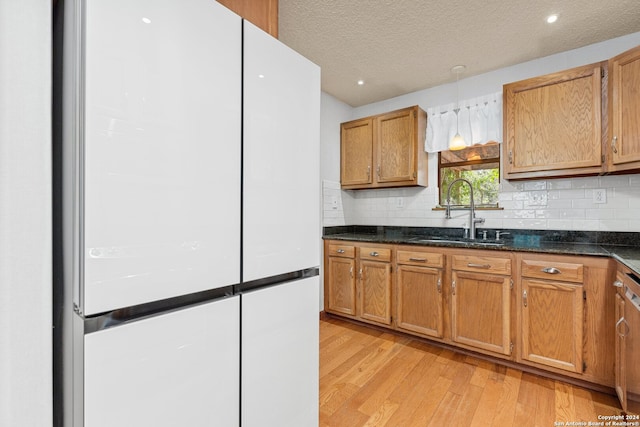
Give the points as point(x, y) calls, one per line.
point(457, 142)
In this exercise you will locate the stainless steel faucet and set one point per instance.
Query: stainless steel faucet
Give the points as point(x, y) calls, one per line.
point(472, 208)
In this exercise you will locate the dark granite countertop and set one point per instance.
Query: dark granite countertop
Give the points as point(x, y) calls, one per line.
point(623, 247)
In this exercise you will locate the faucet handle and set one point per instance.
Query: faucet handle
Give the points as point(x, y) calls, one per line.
point(484, 234)
point(500, 233)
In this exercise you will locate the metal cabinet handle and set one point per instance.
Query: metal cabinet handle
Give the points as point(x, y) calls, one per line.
point(439, 285)
point(378, 170)
point(340, 251)
point(368, 173)
point(360, 272)
point(418, 259)
point(614, 144)
point(551, 270)
point(374, 254)
point(351, 272)
point(617, 284)
point(524, 297)
point(510, 157)
point(483, 266)
point(626, 327)
point(453, 287)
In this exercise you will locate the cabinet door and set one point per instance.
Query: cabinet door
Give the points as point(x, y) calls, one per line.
point(161, 150)
point(375, 293)
point(553, 124)
point(552, 323)
point(620, 365)
point(419, 308)
point(624, 110)
point(481, 308)
point(396, 146)
point(341, 286)
point(356, 153)
point(281, 151)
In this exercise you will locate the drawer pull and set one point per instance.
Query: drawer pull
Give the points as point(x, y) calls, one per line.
point(483, 266)
point(340, 251)
point(617, 284)
point(439, 285)
point(551, 270)
point(524, 298)
point(374, 254)
point(418, 259)
point(453, 287)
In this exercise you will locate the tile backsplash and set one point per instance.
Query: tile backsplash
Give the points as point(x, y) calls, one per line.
point(606, 203)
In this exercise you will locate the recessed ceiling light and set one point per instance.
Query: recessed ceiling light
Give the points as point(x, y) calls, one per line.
point(146, 20)
point(360, 82)
point(552, 18)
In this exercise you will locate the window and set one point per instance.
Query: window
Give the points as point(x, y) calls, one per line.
point(480, 164)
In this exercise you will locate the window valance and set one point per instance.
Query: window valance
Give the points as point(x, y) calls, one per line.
point(480, 121)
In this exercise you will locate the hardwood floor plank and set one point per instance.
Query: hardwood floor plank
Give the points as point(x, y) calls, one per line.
point(412, 391)
point(382, 415)
point(506, 409)
point(374, 378)
point(430, 402)
point(378, 389)
point(445, 410)
point(467, 407)
point(564, 402)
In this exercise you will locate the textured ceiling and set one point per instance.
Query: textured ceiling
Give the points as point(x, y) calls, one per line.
point(401, 46)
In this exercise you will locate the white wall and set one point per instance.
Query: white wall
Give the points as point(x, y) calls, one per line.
point(25, 213)
point(561, 204)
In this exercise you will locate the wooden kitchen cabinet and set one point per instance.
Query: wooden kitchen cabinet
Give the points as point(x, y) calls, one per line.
point(481, 301)
point(562, 315)
point(624, 112)
point(552, 124)
point(263, 13)
point(627, 338)
point(386, 150)
point(358, 281)
point(419, 294)
point(374, 269)
point(340, 282)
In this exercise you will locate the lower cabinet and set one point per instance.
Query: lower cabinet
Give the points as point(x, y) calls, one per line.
point(481, 302)
point(358, 281)
point(340, 268)
point(546, 311)
point(374, 294)
point(627, 339)
point(419, 296)
point(552, 322)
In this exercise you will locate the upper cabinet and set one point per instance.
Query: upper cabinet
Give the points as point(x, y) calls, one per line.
point(583, 121)
point(263, 14)
point(552, 124)
point(386, 150)
point(624, 111)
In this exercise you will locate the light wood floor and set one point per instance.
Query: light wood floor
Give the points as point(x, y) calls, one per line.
point(373, 378)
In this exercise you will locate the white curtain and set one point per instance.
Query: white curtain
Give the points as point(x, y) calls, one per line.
point(480, 121)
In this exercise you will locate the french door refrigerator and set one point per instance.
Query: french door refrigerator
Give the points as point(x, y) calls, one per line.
point(187, 238)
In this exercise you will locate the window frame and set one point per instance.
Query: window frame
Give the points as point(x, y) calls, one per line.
point(442, 203)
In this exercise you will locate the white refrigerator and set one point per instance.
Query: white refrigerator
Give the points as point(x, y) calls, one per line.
point(187, 219)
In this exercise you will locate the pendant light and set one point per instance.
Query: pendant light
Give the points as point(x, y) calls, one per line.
point(457, 143)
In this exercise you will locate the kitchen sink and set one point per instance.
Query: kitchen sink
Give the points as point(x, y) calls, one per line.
point(455, 241)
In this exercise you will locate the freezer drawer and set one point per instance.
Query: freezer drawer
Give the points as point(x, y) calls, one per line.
point(176, 369)
point(280, 360)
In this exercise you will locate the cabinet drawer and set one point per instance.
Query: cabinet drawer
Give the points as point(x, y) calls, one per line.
point(345, 251)
point(375, 254)
point(420, 258)
point(566, 272)
point(483, 264)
